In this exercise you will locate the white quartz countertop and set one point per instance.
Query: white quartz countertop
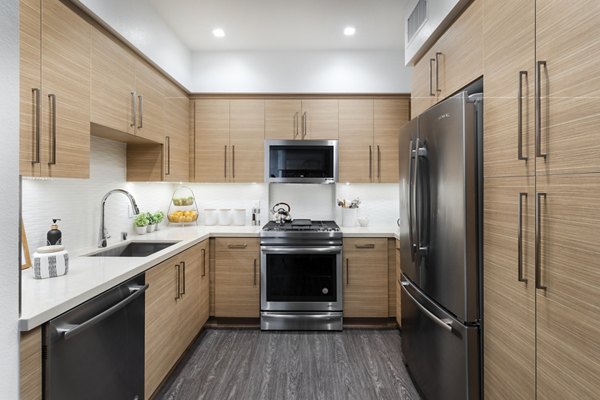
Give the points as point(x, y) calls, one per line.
point(44, 299)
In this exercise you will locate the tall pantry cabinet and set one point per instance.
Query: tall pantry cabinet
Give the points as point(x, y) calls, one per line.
point(542, 190)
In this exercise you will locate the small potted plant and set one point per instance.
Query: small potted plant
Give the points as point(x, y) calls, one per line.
point(141, 222)
point(158, 217)
point(151, 223)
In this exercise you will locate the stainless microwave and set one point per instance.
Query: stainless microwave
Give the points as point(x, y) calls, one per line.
point(301, 161)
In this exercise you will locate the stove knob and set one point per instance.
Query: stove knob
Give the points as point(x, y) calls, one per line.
point(325, 290)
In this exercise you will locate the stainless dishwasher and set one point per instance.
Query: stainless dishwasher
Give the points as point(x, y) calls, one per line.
point(96, 350)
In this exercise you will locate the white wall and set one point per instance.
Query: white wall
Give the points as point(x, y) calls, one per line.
point(377, 71)
point(9, 198)
point(141, 25)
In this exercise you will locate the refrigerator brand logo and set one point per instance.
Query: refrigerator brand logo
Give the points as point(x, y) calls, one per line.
point(447, 115)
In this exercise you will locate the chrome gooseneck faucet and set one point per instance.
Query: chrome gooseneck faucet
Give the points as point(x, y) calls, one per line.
point(103, 232)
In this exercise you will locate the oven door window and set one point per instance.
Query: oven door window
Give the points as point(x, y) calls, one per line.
point(301, 277)
point(301, 162)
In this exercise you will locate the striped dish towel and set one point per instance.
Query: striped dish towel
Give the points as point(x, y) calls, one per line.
point(50, 265)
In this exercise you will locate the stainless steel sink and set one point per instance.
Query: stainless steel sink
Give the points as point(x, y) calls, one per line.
point(132, 249)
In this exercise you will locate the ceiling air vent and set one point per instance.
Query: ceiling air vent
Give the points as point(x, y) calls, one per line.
point(416, 19)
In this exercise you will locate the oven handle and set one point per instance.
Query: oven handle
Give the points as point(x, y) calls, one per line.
point(294, 316)
point(302, 250)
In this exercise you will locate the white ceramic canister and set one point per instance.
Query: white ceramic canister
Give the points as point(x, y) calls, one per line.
point(349, 216)
point(239, 216)
point(224, 216)
point(210, 216)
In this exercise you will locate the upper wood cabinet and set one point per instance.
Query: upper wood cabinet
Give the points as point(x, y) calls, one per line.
point(365, 277)
point(246, 140)
point(55, 100)
point(150, 101)
point(176, 139)
point(454, 61)
point(282, 119)
point(368, 139)
point(319, 119)
point(211, 140)
point(237, 277)
point(299, 119)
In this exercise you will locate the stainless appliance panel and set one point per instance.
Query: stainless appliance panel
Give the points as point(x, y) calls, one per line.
point(302, 321)
point(446, 207)
point(442, 354)
point(301, 161)
point(96, 350)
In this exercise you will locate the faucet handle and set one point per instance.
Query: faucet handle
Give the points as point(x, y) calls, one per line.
point(123, 235)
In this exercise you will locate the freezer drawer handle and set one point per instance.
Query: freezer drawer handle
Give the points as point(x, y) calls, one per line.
point(70, 330)
point(444, 323)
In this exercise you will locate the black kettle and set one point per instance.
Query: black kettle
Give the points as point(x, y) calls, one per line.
point(280, 214)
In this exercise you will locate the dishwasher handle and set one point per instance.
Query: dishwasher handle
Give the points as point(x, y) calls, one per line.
point(70, 330)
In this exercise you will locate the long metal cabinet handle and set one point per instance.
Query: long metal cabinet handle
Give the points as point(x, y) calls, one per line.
point(183, 277)
point(370, 162)
point(411, 156)
point(225, 163)
point(178, 271)
point(203, 262)
point(133, 111)
point(141, 110)
point(431, 61)
point(538, 241)
point(347, 272)
point(68, 330)
point(168, 154)
point(296, 125)
point(304, 127)
point(38, 116)
point(52, 98)
point(254, 276)
point(520, 155)
point(233, 161)
point(237, 246)
point(520, 239)
point(437, 71)
point(538, 110)
point(365, 246)
point(444, 323)
point(378, 162)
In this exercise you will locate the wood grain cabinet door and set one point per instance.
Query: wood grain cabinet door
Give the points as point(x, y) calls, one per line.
point(30, 83)
point(422, 91)
point(568, 310)
point(176, 141)
point(30, 364)
point(113, 84)
point(567, 48)
point(150, 102)
point(246, 137)
point(66, 47)
point(204, 253)
point(282, 119)
point(509, 288)
point(365, 276)
point(237, 278)
point(389, 116)
point(211, 139)
point(508, 79)
point(319, 119)
point(356, 157)
point(189, 307)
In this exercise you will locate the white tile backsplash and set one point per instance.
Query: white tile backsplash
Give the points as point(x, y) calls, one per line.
point(77, 201)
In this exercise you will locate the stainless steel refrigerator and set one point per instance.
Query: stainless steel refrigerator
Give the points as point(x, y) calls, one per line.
point(440, 247)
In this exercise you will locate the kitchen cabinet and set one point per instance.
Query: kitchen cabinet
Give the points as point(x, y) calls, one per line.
point(176, 139)
point(368, 139)
point(550, 352)
point(176, 309)
point(365, 277)
point(290, 119)
point(150, 101)
point(55, 90)
point(237, 277)
point(229, 140)
point(30, 365)
point(454, 61)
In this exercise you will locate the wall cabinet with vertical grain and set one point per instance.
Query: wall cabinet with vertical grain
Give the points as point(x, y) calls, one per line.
point(55, 90)
point(365, 277)
point(237, 277)
point(298, 119)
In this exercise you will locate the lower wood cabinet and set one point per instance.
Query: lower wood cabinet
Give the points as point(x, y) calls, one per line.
point(30, 367)
point(237, 277)
point(176, 309)
point(365, 277)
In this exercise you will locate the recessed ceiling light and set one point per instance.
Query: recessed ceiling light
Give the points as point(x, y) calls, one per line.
point(349, 31)
point(218, 32)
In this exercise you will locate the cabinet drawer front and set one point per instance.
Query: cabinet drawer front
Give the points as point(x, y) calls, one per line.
point(365, 244)
point(236, 244)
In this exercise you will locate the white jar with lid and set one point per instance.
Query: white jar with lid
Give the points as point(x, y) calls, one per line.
point(224, 216)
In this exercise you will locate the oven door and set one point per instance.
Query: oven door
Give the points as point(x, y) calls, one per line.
point(301, 278)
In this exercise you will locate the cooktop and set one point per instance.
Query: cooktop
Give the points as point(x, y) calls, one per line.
point(305, 225)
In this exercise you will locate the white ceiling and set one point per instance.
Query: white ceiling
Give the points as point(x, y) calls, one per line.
point(285, 24)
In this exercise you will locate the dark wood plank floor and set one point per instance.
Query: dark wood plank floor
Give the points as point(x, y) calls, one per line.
point(250, 364)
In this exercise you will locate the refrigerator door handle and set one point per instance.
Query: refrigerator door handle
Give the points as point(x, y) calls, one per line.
point(420, 152)
point(411, 157)
point(445, 323)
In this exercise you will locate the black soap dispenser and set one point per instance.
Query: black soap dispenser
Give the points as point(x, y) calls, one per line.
point(54, 236)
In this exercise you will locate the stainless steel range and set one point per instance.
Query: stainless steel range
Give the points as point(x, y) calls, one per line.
point(301, 276)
